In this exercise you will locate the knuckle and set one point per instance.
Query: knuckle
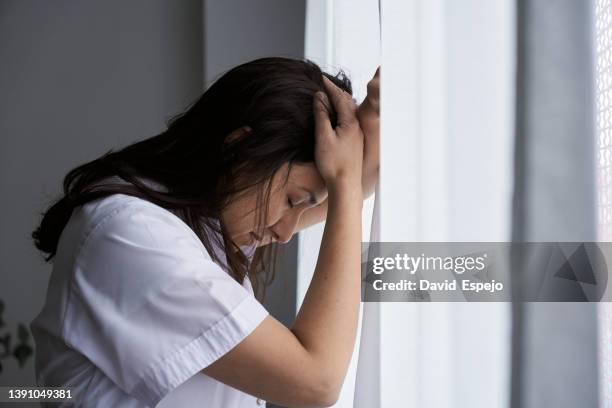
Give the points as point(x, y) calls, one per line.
point(347, 96)
point(319, 112)
point(351, 121)
point(352, 112)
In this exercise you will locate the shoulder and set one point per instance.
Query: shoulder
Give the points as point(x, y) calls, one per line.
point(121, 207)
point(126, 218)
point(133, 249)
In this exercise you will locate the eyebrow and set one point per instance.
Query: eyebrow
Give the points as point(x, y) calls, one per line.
point(313, 199)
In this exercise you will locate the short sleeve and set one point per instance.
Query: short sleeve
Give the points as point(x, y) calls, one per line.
point(149, 307)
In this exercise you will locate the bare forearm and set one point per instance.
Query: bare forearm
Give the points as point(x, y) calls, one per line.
point(326, 324)
point(318, 214)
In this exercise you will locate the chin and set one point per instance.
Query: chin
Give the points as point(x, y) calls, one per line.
point(241, 239)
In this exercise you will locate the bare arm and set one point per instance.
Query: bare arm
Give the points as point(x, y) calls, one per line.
point(331, 304)
point(305, 366)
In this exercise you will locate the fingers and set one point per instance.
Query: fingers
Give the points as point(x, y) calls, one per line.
point(374, 83)
point(322, 123)
point(342, 103)
point(373, 88)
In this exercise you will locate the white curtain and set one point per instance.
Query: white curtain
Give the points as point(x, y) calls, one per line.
point(448, 98)
point(446, 175)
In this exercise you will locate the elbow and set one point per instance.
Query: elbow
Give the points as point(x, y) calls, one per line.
point(323, 400)
point(326, 392)
point(327, 399)
point(321, 381)
point(317, 395)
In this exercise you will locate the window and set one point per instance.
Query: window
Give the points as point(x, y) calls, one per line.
point(603, 47)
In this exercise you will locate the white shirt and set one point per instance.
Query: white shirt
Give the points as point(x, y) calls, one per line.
point(136, 308)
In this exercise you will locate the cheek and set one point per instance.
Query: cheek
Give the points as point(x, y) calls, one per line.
point(240, 217)
point(275, 213)
point(277, 209)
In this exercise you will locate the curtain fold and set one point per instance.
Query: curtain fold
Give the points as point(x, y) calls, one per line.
point(554, 344)
point(368, 371)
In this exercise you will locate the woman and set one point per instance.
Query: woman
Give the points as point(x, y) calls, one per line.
point(158, 248)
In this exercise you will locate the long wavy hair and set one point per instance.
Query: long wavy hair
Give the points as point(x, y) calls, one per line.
point(200, 170)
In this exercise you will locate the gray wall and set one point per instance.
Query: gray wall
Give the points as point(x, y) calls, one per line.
point(79, 78)
point(241, 30)
point(238, 31)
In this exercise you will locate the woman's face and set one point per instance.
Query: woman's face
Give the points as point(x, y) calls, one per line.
point(304, 189)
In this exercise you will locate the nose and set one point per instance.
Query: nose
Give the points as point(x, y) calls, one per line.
point(283, 230)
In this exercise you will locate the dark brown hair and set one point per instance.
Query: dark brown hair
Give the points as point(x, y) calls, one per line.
point(200, 170)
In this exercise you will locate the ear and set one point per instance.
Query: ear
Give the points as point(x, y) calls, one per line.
point(238, 133)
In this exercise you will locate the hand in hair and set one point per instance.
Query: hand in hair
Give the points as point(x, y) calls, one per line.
point(339, 151)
